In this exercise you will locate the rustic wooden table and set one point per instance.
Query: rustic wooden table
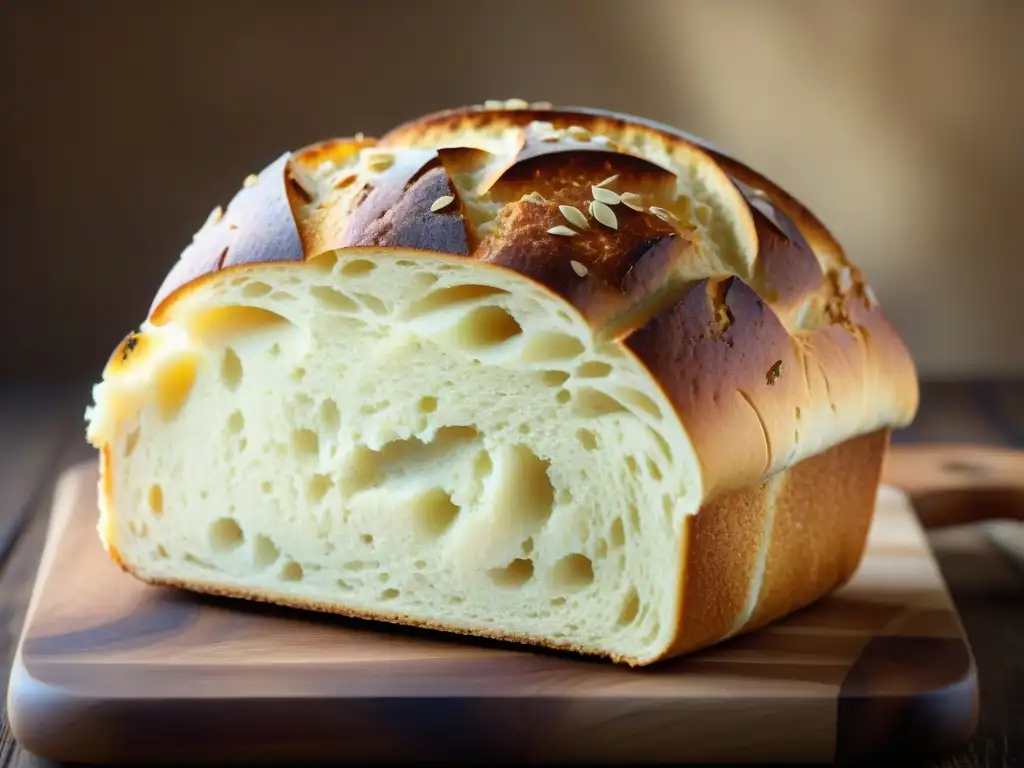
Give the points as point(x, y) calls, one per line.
point(41, 430)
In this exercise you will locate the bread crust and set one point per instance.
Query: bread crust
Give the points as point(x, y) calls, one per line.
point(819, 510)
point(785, 356)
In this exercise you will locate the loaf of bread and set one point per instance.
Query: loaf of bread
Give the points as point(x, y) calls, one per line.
point(559, 377)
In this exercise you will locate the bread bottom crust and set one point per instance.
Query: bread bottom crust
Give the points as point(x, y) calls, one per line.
point(750, 556)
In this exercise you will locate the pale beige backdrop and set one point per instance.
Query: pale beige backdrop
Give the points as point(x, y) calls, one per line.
point(900, 123)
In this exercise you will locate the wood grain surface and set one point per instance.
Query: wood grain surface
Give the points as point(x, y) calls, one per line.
point(112, 671)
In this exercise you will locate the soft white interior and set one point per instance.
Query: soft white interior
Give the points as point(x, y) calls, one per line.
point(421, 437)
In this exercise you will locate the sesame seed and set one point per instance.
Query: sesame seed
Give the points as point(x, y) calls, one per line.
point(380, 163)
point(590, 208)
point(604, 214)
point(550, 137)
point(442, 202)
point(578, 132)
point(251, 179)
point(359, 136)
point(493, 104)
point(608, 181)
point(844, 281)
point(605, 195)
point(574, 216)
point(579, 269)
point(632, 200)
point(542, 125)
point(562, 230)
point(534, 197)
point(517, 104)
point(869, 295)
point(662, 214)
point(345, 181)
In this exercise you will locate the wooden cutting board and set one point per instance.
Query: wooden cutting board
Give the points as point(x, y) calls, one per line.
point(112, 671)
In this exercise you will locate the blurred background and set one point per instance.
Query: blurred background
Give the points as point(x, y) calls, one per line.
point(124, 123)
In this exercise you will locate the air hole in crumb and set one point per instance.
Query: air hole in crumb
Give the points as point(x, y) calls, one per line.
point(587, 439)
point(419, 565)
point(601, 549)
point(667, 505)
point(557, 601)
point(383, 578)
point(453, 295)
point(563, 396)
point(236, 422)
point(319, 486)
point(132, 441)
point(138, 528)
point(330, 416)
point(482, 465)
point(653, 468)
point(366, 538)
point(305, 442)
point(298, 374)
point(156, 500)
point(343, 585)
point(592, 404)
point(256, 289)
point(357, 268)
point(243, 444)
point(617, 533)
point(662, 444)
point(174, 382)
point(515, 574)
point(427, 404)
point(266, 486)
point(594, 369)
point(225, 535)
point(573, 572)
point(564, 497)
point(434, 512)
point(231, 369)
point(302, 400)
point(282, 296)
point(389, 594)
point(634, 518)
point(485, 327)
point(275, 349)
point(631, 465)
point(640, 400)
point(524, 429)
point(554, 378)
point(291, 571)
point(630, 608)
point(545, 346)
point(265, 551)
point(373, 303)
point(528, 546)
point(328, 298)
point(161, 552)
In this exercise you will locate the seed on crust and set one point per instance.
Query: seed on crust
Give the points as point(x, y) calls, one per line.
point(562, 230)
point(442, 202)
point(632, 200)
point(605, 196)
point(380, 162)
point(604, 214)
point(663, 214)
point(578, 268)
point(574, 216)
point(578, 132)
point(215, 215)
point(607, 181)
point(251, 179)
point(517, 104)
point(534, 197)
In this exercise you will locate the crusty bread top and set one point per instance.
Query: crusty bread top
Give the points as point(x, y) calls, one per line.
point(735, 296)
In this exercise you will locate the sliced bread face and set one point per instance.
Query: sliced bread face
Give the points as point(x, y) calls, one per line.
point(404, 436)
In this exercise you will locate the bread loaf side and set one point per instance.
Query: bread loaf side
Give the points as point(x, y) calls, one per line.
point(561, 377)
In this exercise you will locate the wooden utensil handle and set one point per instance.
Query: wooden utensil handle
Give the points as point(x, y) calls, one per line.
point(953, 484)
